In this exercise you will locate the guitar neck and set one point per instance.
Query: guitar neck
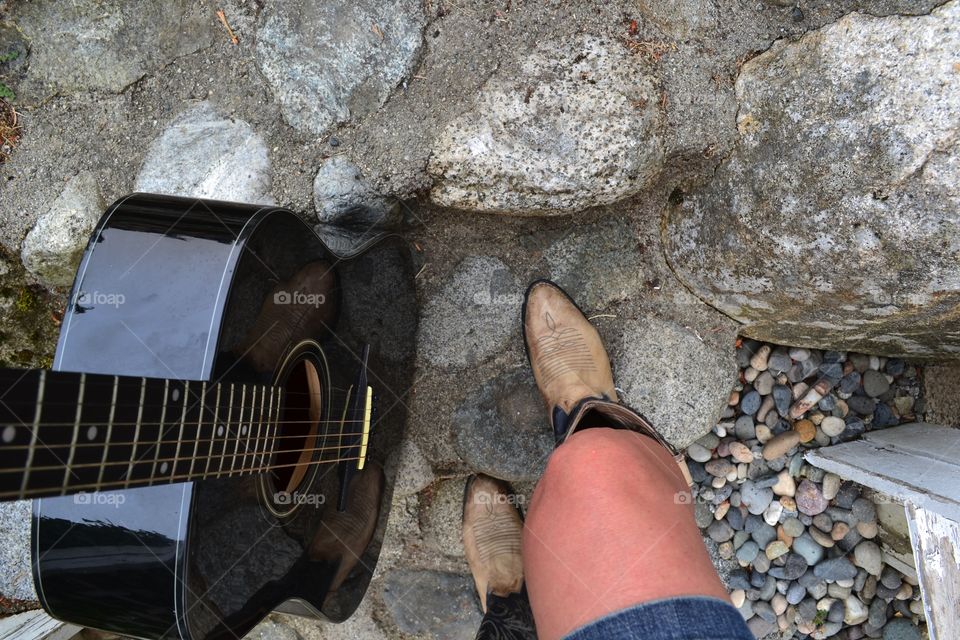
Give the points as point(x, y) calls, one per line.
point(63, 433)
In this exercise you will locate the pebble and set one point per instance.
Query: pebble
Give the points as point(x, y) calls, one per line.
point(796, 593)
point(698, 453)
point(793, 527)
point(779, 604)
point(847, 495)
point(810, 499)
point(883, 416)
point(760, 358)
point(806, 429)
point(900, 629)
point(891, 578)
point(702, 514)
point(785, 486)
point(808, 548)
point(799, 353)
point(779, 361)
point(748, 551)
point(862, 405)
point(735, 517)
point(750, 403)
point(772, 514)
point(763, 433)
point(743, 428)
point(794, 567)
point(867, 556)
point(840, 530)
point(833, 426)
point(823, 539)
point(737, 597)
point(855, 611)
point(721, 510)
point(782, 399)
point(754, 498)
point(849, 383)
point(761, 563)
point(765, 535)
point(864, 510)
point(835, 569)
point(720, 467)
point(875, 384)
point(831, 485)
point(765, 407)
point(741, 453)
point(779, 445)
point(764, 383)
point(868, 530)
point(853, 429)
point(776, 549)
point(750, 374)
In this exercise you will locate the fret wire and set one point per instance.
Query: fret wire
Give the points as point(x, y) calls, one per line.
point(183, 419)
point(163, 418)
point(256, 444)
point(213, 431)
point(226, 430)
point(249, 436)
point(36, 424)
point(268, 439)
point(76, 431)
point(236, 443)
point(136, 432)
point(203, 396)
point(106, 441)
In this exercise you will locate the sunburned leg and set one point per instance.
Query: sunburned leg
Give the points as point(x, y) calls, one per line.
point(605, 530)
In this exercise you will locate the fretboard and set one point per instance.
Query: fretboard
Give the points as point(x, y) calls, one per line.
point(65, 433)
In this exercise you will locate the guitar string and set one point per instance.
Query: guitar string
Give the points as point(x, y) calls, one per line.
point(174, 478)
point(147, 441)
point(176, 460)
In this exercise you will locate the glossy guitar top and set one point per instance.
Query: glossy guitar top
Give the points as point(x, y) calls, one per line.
point(194, 291)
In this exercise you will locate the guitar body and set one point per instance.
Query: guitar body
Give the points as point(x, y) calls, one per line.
point(174, 288)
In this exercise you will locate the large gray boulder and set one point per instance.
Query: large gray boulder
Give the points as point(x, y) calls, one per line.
point(577, 125)
point(53, 248)
point(328, 61)
point(86, 45)
point(836, 220)
point(204, 154)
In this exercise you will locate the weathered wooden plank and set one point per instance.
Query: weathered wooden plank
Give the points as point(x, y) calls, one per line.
point(35, 625)
point(936, 547)
point(915, 464)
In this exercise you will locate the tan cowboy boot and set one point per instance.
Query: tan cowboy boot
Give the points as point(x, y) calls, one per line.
point(572, 369)
point(492, 528)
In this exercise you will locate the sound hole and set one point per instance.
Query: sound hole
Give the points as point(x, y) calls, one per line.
point(298, 428)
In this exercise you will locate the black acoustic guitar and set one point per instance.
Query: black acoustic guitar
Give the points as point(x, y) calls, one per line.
point(209, 445)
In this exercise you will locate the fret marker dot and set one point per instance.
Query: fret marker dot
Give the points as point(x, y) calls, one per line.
point(163, 467)
point(92, 433)
point(9, 433)
point(243, 430)
point(175, 395)
point(220, 430)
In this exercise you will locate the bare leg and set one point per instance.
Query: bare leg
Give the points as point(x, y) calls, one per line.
point(606, 530)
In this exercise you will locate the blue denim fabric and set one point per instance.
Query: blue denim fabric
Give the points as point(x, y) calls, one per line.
point(684, 618)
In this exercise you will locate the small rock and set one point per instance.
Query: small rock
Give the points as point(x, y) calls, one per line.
point(862, 405)
point(741, 452)
point(864, 510)
point(796, 593)
point(832, 426)
point(779, 445)
point(855, 611)
point(744, 429)
point(719, 467)
point(848, 494)
point(806, 429)
point(776, 549)
point(877, 614)
point(891, 578)
point(840, 530)
point(782, 399)
point(868, 530)
point(799, 354)
point(432, 603)
point(785, 485)
point(343, 197)
point(750, 403)
point(835, 569)
point(737, 597)
point(867, 556)
point(748, 551)
point(698, 453)
point(806, 547)
point(853, 429)
point(765, 408)
point(794, 567)
point(810, 499)
point(831, 485)
point(849, 383)
point(900, 629)
point(763, 433)
point(764, 383)
point(754, 498)
point(875, 384)
point(760, 358)
point(772, 513)
point(793, 527)
point(765, 535)
point(779, 361)
point(720, 531)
